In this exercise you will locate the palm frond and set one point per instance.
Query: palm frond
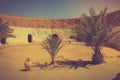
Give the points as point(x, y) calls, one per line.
point(95, 29)
point(111, 35)
point(5, 30)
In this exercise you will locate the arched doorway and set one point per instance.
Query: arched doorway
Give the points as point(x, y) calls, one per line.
point(54, 36)
point(29, 38)
point(3, 40)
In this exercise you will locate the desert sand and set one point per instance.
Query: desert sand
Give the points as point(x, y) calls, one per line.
point(12, 59)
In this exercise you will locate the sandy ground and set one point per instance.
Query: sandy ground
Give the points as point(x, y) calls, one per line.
point(12, 58)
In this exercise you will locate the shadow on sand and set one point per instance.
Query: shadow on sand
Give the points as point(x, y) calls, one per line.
point(70, 64)
point(24, 70)
point(74, 64)
point(117, 77)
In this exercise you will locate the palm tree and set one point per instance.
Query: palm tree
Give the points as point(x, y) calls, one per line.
point(95, 31)
point(53, 45)
point(5, 30)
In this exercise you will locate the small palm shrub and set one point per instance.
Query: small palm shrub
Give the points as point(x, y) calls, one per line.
point(53, 45)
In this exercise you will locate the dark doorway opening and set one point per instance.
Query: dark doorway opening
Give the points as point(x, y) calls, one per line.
point(29, 38)
point(54, 36)
point(3, 40)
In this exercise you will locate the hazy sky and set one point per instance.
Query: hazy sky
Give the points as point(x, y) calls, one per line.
point(55, 8)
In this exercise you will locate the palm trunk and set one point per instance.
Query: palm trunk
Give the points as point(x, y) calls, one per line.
point(97, 57)
point(52, 60)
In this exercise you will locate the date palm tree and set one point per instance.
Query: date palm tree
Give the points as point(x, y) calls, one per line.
point(53, 45)
point(5, 30)
point(95, 31)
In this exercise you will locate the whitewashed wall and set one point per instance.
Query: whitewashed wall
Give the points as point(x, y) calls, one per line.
point(21, 34)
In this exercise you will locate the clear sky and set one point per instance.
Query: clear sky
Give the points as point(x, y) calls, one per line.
point(55, 8)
